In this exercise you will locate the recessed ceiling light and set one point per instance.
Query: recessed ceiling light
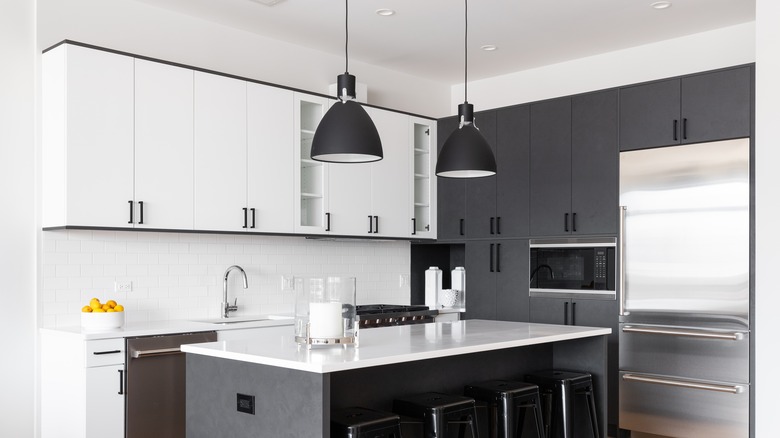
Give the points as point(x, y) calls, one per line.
point(488, 47)
point(385, 12)
point(661, 5)
point(268, 2)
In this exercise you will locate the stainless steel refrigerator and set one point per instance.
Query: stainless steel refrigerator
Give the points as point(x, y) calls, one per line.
point(685, 290)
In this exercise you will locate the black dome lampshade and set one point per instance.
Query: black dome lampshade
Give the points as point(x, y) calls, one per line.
point(466, 153)
point(346, 133)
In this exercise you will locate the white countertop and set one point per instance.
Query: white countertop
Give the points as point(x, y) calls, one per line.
point(152, 328)
point(388, 345)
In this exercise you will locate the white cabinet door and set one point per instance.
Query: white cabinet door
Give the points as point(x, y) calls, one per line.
point(391, 177)
point(105, 402)
point(220, 153)
point(88, 137)
point(349, 206)
point(422, 138)
point(311, 177)
point(163, 146)
point(271, 194)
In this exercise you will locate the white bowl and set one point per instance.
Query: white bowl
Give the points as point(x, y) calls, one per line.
point(101, 321)
point(449, 297)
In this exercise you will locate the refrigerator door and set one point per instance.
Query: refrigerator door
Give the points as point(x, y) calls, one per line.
point(685, 243)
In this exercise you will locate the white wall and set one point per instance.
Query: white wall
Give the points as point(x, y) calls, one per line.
point(766, 384)
point(17, 217)
point(690, 54)
point(179, 275)
point(142, 29)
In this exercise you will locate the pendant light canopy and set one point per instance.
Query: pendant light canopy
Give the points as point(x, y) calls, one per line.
point(466, 153)
point(346, 134)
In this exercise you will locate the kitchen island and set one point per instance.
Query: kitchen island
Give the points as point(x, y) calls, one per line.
point(283, 390)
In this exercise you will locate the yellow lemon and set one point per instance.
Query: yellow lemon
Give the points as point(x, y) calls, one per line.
point(95, 305)
point(86, 309)
point(111, 303)
point(110, 310)
point(119, 308)
point(94, 300)
point(99, 310)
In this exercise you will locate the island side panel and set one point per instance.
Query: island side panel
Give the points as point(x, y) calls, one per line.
point(288, 403)
point(377, 387)
point(587, 355)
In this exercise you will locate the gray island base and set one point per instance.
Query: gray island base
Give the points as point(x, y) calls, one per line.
point(291, 391)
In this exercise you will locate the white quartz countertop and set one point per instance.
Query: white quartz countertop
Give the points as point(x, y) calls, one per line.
point(388, 345)
point(153, 328)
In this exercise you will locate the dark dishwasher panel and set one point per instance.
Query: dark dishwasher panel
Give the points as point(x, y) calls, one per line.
point(155, 400)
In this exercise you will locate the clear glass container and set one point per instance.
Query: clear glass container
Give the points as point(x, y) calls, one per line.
point(325, 312)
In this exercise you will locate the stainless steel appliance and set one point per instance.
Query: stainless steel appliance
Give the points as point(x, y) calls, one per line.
point(581, 266)
point(386, 315)
point(684, 290)
point(155, 387)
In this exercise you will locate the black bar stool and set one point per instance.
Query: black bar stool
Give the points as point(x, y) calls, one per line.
point(359, 422)
point(507, 402)
point(558, 389)
point(438, 411)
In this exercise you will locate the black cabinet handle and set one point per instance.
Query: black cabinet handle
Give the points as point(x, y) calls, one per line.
point(461, 226)
point(566, 313)
point(573, 313)
point(245, 217)
point(492, 225)
point(498, 225)
point(254, 216)
point(141, 208)
point(131, 212)
point(100, 353)
point(566, 222)
point(685, 129)
point(674, 129)
point(370, 224)
point(414, 226)
point(498, 257)
point(327, 221)
point(376, 224)
point(121, 382)
point(491, 257)
point(574, 222)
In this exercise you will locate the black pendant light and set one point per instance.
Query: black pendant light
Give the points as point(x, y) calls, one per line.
point(346, 133)
point(466, 153)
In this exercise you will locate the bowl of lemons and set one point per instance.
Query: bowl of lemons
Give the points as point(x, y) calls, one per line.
point(100, 316)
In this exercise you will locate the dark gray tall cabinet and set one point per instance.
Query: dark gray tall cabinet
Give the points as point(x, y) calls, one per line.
point(497, 279)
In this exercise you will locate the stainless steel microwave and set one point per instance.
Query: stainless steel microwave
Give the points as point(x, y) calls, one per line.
point(573, 267)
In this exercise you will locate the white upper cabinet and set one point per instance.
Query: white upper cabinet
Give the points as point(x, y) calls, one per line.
point(422, 141)
point(311, 177)
point(163, 146)
point(87, 138)
point(220, 153)
point(271, 195)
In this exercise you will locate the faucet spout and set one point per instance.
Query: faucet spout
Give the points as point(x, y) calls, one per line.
point(226, 307)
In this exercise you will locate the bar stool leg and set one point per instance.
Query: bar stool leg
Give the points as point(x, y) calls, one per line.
point(591, 401)
point(567, 408)
point(539, 421)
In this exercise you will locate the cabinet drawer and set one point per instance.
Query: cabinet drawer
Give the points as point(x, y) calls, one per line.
point(105, 352)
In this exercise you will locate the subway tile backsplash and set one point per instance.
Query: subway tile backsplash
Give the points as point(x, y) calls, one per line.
point(179, 275)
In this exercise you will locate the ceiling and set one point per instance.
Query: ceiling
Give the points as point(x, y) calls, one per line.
point(425, 38)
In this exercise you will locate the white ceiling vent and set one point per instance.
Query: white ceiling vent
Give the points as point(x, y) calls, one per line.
point(268, 2)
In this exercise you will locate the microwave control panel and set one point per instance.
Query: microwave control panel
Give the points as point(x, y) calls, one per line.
point(600, 268)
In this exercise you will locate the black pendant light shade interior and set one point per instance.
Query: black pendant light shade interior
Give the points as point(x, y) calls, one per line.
point(466, 153)
point(346, 133)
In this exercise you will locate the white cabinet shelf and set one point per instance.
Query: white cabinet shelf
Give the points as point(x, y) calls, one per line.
point(423, 190)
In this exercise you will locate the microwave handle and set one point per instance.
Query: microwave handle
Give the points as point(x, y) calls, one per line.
point(621, 269)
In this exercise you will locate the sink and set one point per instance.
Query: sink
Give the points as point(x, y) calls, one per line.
point(240, 319)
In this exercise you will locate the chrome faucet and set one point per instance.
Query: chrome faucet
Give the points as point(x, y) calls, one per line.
point(226, 307)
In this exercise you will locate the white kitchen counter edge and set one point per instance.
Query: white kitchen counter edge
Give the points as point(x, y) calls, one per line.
point(384, 346)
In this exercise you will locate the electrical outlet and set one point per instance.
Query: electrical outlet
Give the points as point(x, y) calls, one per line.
point(123, 286)
point(288, 283)
point(404, 280)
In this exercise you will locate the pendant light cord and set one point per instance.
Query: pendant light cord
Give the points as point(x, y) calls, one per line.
point(466, 51)
point(346, 32)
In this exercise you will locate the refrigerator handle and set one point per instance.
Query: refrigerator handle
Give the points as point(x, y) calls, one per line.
point(622, 263)
point(691, 333)
point(733, 389)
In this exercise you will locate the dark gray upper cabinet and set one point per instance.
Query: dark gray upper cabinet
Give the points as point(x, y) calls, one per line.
point(497, 280)
point(594, 163)
point(481, 192)
point(512, 179)
point(550, 167)
point(451, 203)
point(692, 109)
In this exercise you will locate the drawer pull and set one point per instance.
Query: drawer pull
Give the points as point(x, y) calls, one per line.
point(735, 336)
point(100, 353)
point(731, 389)
point(138, 354)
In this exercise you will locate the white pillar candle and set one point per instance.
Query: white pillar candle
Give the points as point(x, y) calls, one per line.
point(325, 320)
